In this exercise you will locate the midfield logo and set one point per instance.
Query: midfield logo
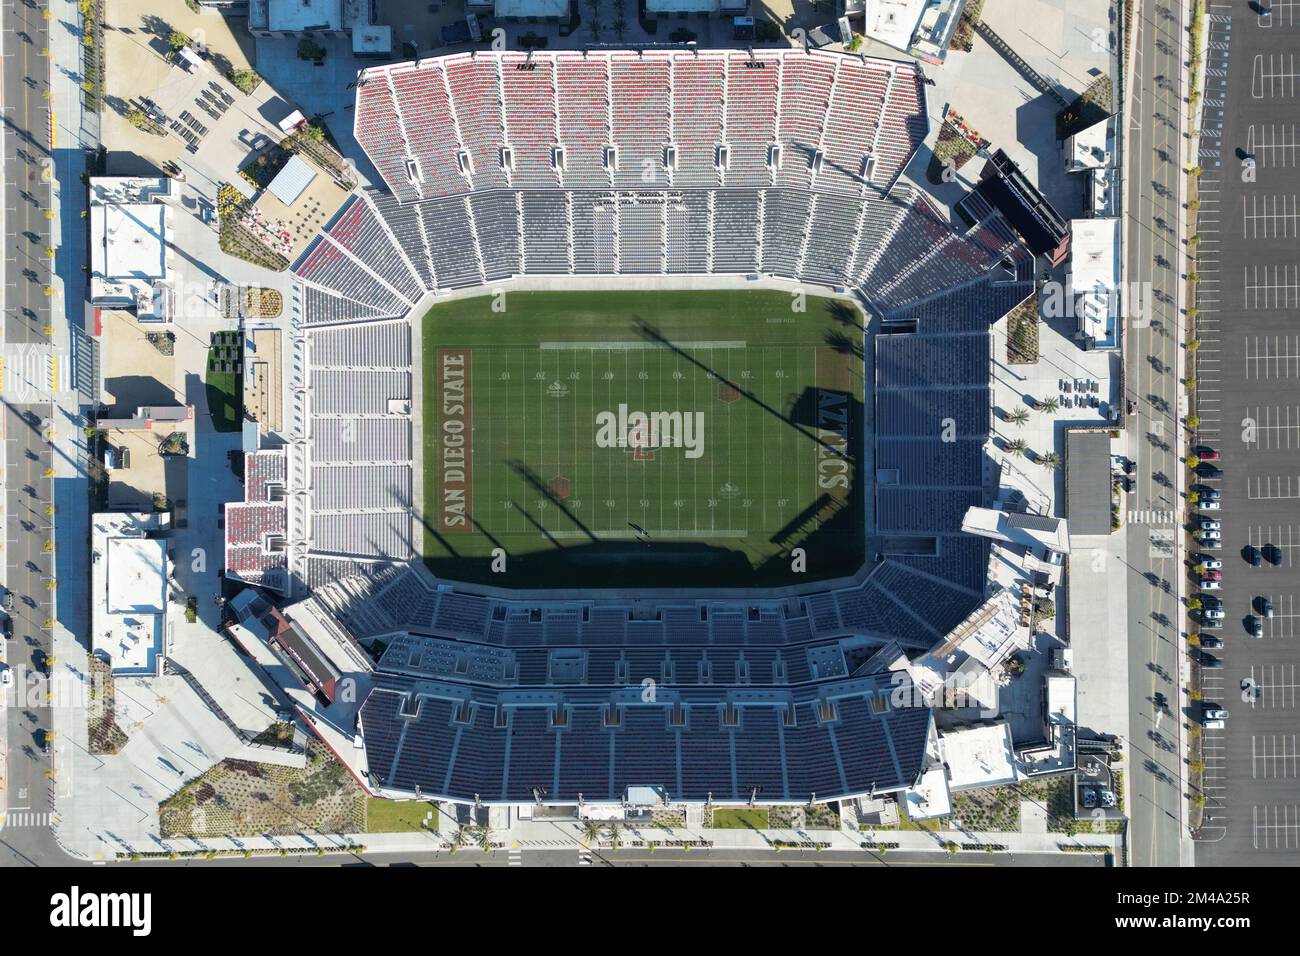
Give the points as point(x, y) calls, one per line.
point(624, 429)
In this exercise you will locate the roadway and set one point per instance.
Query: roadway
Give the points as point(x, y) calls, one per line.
point(26, 837)
point(1155, 140)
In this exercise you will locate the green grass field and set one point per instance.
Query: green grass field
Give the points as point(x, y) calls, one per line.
point(747, 449)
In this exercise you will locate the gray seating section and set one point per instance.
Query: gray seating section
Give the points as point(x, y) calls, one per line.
point(371, 345)
point(361, 439)
point(361, 392)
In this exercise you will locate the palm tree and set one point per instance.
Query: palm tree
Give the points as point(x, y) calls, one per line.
point(615, 836)
point(591, 831)
point(459, 839)
point(1049, 406)
point(1018, 447)
point(483, 836)
point(1019, 417)
point(1049, 460)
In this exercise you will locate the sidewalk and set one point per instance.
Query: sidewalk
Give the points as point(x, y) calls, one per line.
point(537, 835)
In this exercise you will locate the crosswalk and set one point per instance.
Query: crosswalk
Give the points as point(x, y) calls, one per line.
point(26, 819)
point(584, 856)
point(516, 856)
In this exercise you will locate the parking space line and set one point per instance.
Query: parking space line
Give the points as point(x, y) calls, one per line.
point(1269, 487)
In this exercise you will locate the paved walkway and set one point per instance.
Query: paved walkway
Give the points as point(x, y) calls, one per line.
point(561, 834)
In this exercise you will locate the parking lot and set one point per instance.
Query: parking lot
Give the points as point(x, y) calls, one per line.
point(1249, 404)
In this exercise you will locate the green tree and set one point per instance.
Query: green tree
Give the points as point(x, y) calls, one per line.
point(1018, 417)
point(1050, 460)
point(615, 832)
point(1049, 406)
point(1018, 447)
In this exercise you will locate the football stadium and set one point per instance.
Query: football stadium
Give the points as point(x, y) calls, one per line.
point(636, 413)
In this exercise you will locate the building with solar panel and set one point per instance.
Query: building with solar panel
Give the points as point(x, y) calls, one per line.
point(503, 169)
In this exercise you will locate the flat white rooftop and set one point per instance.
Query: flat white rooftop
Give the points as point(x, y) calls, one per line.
point(136, 575)
point(294, 16)
point(1094, 254)
point(929, 798)
point(128, 241)
point(1092, 147)
point(981, 756)
point(892, 21)
point(128, 590)
point(560, 8)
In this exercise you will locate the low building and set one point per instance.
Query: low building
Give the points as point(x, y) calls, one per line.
point(923, 28)
point(533, 11)
point(145, 456)
point(1088, 482)
point(290, 18)
point(1094, 281)
point(668, 9)
point(130, 265)
point(129, 571)
point(967, 758)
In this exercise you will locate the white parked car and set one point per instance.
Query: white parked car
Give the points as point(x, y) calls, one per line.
point(1212, 613)
point(1208, 524)
point(1208, 535)
point(1209, 506)
point(6, 676)
point(1211, 585)
point(1212, 564)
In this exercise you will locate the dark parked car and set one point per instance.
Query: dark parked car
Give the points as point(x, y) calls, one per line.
point(1272, 554)
point(1265, 607)
point(1253, 556)
point(1211, 643)
point(1210, 662)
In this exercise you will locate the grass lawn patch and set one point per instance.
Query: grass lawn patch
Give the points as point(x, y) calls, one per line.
point(736, 818)
point(400, 816)
point(225, 382)
point(225, 400)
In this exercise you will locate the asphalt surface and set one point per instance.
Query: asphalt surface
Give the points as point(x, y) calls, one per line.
point(639, 857)
point(26, 838)
point(1249, 374)
point(1156, 128)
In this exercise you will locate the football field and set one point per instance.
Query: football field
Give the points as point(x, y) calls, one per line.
point(629, 438)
